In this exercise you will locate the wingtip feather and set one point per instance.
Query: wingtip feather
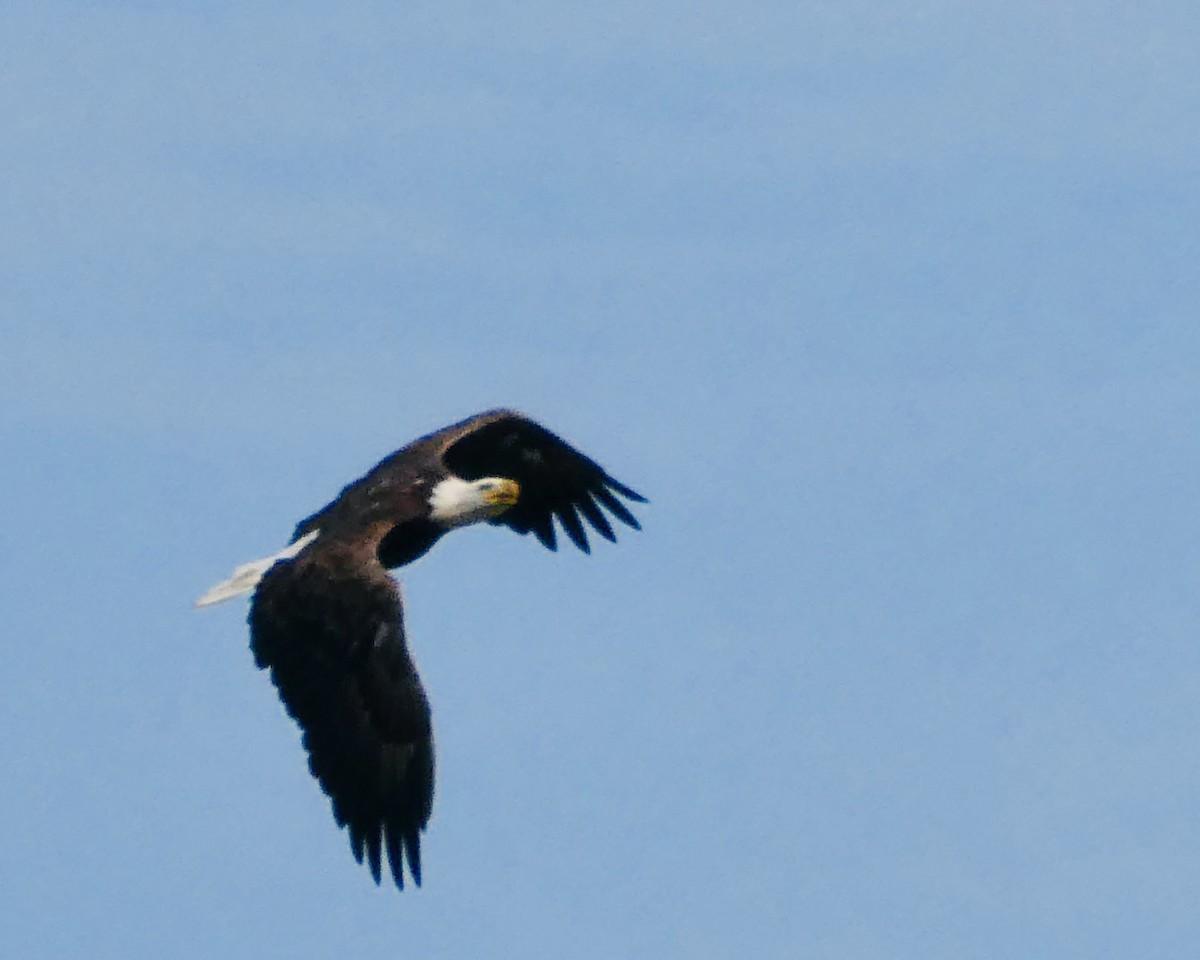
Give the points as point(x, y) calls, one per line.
point(625, 491)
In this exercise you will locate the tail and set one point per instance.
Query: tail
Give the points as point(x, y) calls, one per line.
point(245, 578)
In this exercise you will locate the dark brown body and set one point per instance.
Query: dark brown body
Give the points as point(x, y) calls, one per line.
point(328, 624)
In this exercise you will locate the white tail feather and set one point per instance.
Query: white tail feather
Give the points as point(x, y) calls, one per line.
point(245, 578)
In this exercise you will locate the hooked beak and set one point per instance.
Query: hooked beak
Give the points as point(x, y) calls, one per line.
point(503, 495)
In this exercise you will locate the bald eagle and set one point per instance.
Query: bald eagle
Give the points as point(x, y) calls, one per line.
point(327, 620)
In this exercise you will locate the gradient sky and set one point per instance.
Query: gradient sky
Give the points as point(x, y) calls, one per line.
point(890, 310)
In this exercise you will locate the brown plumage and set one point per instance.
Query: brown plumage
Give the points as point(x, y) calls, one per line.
point(328, 621)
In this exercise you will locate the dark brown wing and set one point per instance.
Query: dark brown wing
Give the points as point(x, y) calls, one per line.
point(557, 481)
point(420, 460)
point(334, 643)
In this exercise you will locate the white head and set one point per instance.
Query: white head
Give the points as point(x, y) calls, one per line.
point(455, 503)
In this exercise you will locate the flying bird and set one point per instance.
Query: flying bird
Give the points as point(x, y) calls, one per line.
point(327, 619)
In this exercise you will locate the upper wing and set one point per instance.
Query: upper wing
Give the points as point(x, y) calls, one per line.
point(556, 479)
point(405, 463)
point(335, 648)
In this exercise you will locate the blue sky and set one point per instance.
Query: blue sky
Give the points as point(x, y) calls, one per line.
point(889, 310)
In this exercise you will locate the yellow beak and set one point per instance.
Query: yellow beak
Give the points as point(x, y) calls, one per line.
point(505, 494)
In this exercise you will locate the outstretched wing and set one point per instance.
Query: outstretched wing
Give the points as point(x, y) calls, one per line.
point(335, 648)
point(557, 481)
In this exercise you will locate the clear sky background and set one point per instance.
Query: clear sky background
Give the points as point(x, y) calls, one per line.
point(890, 309)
